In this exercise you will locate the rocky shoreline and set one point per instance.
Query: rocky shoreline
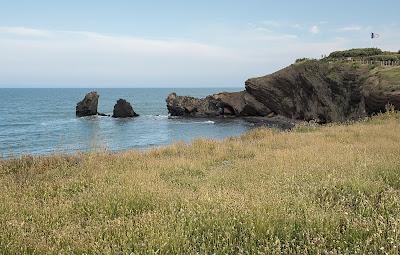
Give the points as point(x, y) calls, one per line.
point(312, 90)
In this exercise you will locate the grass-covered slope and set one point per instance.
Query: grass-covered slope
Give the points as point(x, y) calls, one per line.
point(312, 190)
point(366, 54)
point(382, 87)
point(388, 78)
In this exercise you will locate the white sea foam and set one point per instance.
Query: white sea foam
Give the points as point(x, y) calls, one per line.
point(160, 117)
point(51, 130)
point(189, 122)
point(202, 122)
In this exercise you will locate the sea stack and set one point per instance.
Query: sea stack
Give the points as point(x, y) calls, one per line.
point(225, 104)
point(88, 106)
point(123, 109)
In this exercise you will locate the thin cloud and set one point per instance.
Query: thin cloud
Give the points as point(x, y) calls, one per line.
point(80, 39)
point(297, 26)
point(24, 31)
point(79, 57)
point(263, 29)
point(314, 29)
point(272, 23)
point(83, 58)
point(350, 28)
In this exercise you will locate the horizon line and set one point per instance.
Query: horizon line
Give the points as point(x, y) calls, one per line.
point(195, 87)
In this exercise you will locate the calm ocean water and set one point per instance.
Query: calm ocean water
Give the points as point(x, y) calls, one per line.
point(42, 121)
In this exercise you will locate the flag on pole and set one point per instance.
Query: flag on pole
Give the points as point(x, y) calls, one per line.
point(374, 35)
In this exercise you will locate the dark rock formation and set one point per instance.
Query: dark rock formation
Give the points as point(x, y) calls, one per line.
point(379, 93)
point(88, 106)
point(193, 107)
point(377, 101)
point(123, 109)
point(222, 104)
point(323, 91)
point(241, 104)
point(277, 121)
point(312, 91)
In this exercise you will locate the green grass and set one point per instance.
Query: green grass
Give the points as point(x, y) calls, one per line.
point(388, 78)
point(314, 190)
point(392, 75)
point(360, 52)
point(385, 57)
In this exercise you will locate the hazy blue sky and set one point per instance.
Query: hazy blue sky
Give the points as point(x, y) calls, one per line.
point(178, 43)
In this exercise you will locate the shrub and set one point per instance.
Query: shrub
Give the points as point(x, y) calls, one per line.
point(299, 60)
point(365, 52)
point(392, 57)
point(355, 65)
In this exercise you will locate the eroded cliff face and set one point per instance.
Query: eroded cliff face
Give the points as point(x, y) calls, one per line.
point(222, 104)
point(88, 106)
point(378, 101)
point(312, 90)
point(380, 90)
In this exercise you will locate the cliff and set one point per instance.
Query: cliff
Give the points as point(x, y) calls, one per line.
point(327, 90)
point(312, 90)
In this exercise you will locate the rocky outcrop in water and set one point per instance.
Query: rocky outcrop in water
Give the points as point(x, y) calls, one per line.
point(241, 104)
point(192, 107)
point(123, 109)
point(222, 104)
point(88, 106)
point(308, 91)
point(323, 91)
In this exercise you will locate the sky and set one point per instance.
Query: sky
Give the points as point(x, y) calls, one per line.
point(208, 43)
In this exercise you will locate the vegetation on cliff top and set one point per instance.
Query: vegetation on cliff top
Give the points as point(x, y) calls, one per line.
point(312, 190)
point(362, 52)
point(385, 78)
point(370, 54)
point(388, 78)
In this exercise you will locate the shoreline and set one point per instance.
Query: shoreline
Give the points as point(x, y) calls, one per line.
point(276, 122)
point(262, 191)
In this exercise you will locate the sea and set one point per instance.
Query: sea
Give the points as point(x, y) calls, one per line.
point(42, 121)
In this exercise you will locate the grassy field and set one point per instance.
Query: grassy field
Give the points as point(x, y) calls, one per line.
point(392, 76)
point(329, 190)
point(384, 79)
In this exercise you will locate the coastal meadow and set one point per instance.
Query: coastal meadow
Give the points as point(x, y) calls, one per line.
point(332, 189)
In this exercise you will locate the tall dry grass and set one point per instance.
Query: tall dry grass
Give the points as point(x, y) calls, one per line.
point(332, 190)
